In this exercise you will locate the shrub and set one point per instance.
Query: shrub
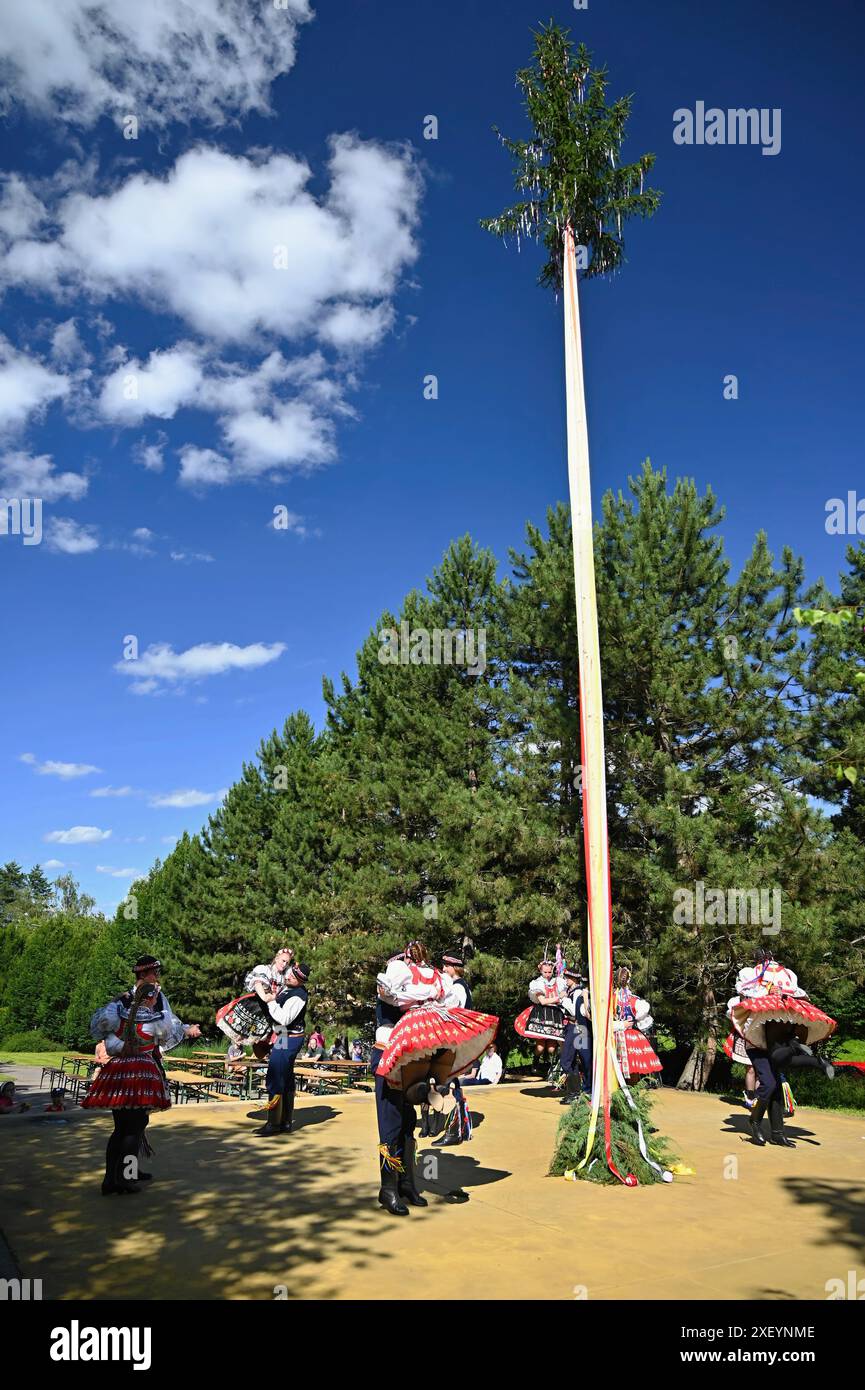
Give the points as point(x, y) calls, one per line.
point(29, 1042)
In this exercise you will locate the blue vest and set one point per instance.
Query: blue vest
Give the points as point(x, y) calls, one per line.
point(296, 991)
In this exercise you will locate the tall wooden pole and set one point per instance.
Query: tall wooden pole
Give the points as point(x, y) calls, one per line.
point(594, 767)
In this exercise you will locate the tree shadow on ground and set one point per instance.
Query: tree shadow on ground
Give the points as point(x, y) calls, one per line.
point(841, 1205)
point(225, 1216)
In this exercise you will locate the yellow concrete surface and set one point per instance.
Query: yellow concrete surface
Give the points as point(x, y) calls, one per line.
point(233, 1215)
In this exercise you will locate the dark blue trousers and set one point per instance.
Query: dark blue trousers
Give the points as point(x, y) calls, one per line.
point(572, 1055)
point(395, 1117)
point(280, 1069)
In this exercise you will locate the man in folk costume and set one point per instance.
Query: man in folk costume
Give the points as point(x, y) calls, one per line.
point(577, 1045)
point(459, 1127)
point(631, 1022)
point(245, 1020)
point(423, 1038)
point(287, 1013)
point(132, 1032)
point(543, 1021)
point(779, 1025)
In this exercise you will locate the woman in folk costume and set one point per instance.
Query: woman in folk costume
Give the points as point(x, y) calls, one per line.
point(779, 1025)
point(245, 1020)
point(543, 1021)
point(131, 1083)
point(435, 1038)
point(631, 1022)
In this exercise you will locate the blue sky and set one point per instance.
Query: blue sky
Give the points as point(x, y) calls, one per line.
point(150, 261)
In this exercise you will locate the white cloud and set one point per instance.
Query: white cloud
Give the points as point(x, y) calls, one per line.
point(51, 768)
point(70, 537)
point(189, 557)
point(67, 349)
point(160, 665)
point(203, 467)
point(118, 873)
point(54, 864)
point(242, 250)
point(150, 456)
point(77, 835)
point(29, 475)
point(134, 391)
point(27, 386)
point(237, 246)
point(164, 60)
point(112, 791)
point(185, 799)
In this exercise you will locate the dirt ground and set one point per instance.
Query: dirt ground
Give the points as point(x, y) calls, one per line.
point(232, 1215)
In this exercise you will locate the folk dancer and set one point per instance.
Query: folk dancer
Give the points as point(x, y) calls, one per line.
point(543, 1021)
point(428, 1038)
point(245, 1020)
point(631, 1022)
point(133, 1031)
point(577, 1045)
point(779, 1025)
point(287, 1011)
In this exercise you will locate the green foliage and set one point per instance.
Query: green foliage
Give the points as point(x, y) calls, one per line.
point(624, 1141)
point(568, 171)
point(32, 1041)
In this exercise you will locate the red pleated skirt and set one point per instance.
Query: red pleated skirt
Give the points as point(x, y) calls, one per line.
point(423, 1031)
point(752, 1015)
point(635, 1053)
point(129, 1083)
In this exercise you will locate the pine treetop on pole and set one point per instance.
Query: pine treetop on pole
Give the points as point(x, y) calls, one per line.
point(569, 169)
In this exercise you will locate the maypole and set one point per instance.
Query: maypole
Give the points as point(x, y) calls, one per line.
point(593, 756)
point(577, 195)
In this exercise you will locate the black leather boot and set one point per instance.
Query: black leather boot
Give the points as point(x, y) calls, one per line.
point(776, 1125)
point(754, 1122)
point(274, 1120)
point(388, 1193)
point(287, 1117)
point(406, 1185)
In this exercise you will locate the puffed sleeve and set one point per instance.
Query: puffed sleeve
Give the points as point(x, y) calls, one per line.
point(168, 1030)
point(105, 1021)
point(569, 1005)
point(537, 989)
point(747, 981)
point(642, 1018)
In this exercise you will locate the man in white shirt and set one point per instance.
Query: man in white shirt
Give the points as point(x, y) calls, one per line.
point(489, 1071)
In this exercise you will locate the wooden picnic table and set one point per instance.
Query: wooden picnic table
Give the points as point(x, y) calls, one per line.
point(194, 1084)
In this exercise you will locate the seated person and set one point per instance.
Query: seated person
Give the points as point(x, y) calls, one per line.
point(487, 1072)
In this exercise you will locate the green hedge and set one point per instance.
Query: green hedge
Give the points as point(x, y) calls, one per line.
point(28, 1042)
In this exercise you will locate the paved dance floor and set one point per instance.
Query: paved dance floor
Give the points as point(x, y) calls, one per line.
point(231, 1215)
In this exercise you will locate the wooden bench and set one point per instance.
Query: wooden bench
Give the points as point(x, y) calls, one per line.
point(325, 1079)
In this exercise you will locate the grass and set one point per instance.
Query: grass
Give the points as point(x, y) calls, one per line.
point(32, 1059)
